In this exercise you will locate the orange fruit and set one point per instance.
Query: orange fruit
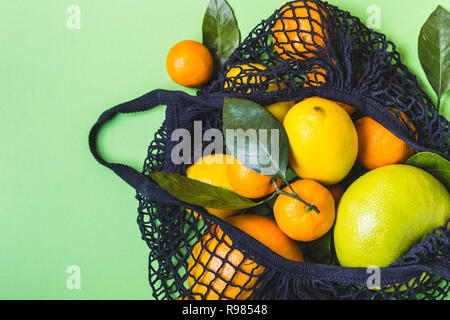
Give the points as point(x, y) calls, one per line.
point(350, 110)
point(248, 183)
point(216, 271)
point(266, 231)
point(212, 169)
point(300, 32)
point(212, 264)
point(337, 191)
point(298, 220)
point(378, 146)
point(316, 78)
point(189, 63)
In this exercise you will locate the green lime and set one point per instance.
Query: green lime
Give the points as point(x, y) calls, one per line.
point(385, 212)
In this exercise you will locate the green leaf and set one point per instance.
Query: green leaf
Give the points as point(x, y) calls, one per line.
point(221, 33)
point(434, 51)
point(249, 130)
point(323, 244)
point(321, 249)
point(433, 164)
point(201, 194)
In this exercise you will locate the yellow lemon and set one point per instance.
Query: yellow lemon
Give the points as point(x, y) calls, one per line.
point(212, 170)
point(243, 74)
point(280, 109)
point(323, 140)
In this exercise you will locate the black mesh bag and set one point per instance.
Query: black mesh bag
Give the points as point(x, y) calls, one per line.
point(307, 48)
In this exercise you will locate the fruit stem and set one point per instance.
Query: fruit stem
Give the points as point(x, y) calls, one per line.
point(294, 195)
point(272, 196)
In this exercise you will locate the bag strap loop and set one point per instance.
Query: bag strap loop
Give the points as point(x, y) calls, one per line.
point(134, 178)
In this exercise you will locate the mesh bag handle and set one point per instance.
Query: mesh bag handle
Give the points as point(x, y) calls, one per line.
point(139, 181)
point(131, 176)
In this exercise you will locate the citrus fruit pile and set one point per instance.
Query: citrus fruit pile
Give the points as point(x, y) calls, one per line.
point(374, 220)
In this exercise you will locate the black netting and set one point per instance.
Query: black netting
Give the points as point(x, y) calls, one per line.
point(311, 48)
point(307, 48)
point(191, 256)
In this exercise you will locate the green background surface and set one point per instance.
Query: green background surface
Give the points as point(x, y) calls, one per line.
point(58, 207)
